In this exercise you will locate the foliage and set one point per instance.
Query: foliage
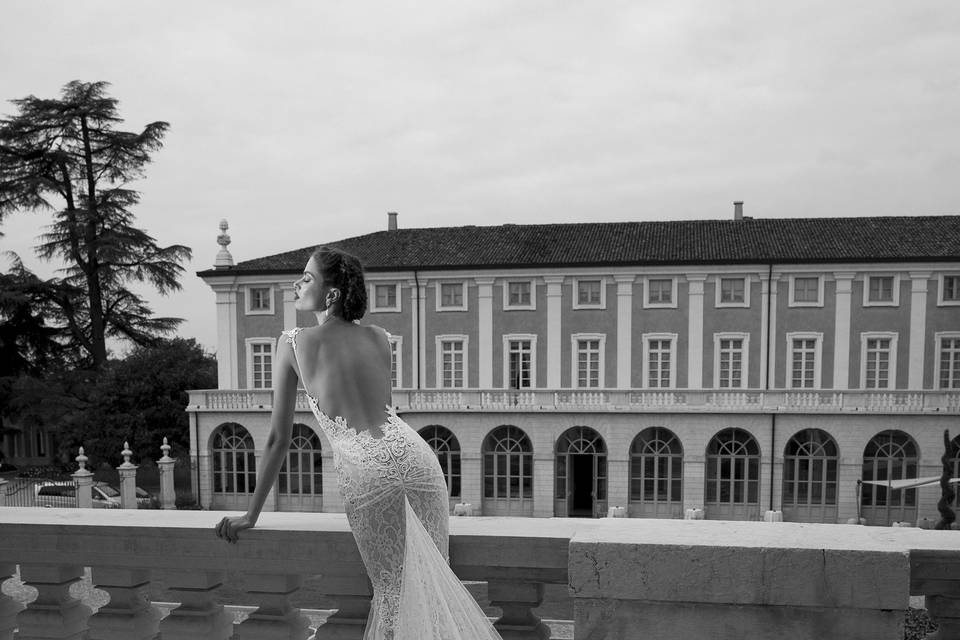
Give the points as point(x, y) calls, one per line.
point(65, 155)
point(140, 399)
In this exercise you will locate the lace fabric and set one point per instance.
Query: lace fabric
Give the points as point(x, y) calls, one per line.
point(395, 498)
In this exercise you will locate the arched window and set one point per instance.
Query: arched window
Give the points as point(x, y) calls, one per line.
point(302, 470)
point(733, 476)
point(581, 473)
point(656, 474)
point(234, 464)
point(810, 471)
point(507, 472)
point(890, 455)
point(447, 448)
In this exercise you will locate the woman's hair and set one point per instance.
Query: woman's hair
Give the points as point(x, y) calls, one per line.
point(344, 271)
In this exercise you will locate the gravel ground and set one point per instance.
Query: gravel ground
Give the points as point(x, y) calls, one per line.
point(557, 609)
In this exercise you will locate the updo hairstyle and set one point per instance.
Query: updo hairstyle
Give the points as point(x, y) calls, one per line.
point(344, 272)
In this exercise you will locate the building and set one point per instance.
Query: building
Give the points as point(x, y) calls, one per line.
point(735, 366)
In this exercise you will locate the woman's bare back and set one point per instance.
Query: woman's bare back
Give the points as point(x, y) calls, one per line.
point(346, 368)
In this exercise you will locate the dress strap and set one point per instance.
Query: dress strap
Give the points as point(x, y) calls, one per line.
point(291, 337)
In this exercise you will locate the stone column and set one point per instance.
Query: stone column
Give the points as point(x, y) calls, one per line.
point(471, 482)
point(764, 330)
point(83, 479)
point(624, 330)
point(618, 482)
point(168, 493)
point(129, 615)
point(415, 312)
point(694, 470)
point(918, 327)
point(205, 492)
point(353, 596)
point(543, 482)
point(9, 608)
point(771, 328)
point(517, 601)
point(289, 307)
point(421, 352)
point(228, 375)
point(55, 613)
point(841, 335)
point(128, 479)
point(695, 332)
point(485, 332)
point(199, 616)
point(275, 618)
point(554, 330)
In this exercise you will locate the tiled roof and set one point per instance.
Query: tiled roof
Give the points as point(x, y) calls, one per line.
point(681, 242)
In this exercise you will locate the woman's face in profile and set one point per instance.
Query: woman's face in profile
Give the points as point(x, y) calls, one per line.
point(308, 290)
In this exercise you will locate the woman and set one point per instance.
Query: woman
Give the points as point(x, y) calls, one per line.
point(393, 488)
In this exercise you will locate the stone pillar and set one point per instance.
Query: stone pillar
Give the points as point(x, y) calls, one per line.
point(332, 500)
point(415, 336)
point(624, 330)
point(168, 492)
point(764, 330)
point(694, 469)
point(128, 479)
point(554, 331)
point(129, 615)
point(83, 479)
point(618, 482)
point(841, 334)
point(55, 613)
point(918, 328)
point(205, 491)
point(517, 600)
point(421, 352)
point(771, 328)
point(228, 362)
point(695, 332)
point(485, 332)
point(275, 618)
point(543, 482)
point(353, 597)
point(199, 616)
point(9, 608)
point(471, 481)
point(289, 307)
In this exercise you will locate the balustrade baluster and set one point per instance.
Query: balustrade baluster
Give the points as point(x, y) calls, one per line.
point(199, 616)
point(353, 597)
point(275, 618)
point(55, 614)
point(129, 615)
point(9, 608)
point(517, 600)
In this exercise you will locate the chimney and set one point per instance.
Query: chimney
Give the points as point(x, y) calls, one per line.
point(392, 221)
point(738, 210)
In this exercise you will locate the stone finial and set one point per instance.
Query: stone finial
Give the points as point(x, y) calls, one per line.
point(224, 259)
point(126, 453)
point(82, 461)
point(165, 448)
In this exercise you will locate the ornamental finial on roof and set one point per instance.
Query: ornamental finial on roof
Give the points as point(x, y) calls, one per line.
point(224, 259)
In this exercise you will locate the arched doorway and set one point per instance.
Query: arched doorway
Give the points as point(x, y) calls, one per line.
point(234, 466)
point(733, 476)
point(507, 473)
point(300, 484)
point(890, 455)
point(656, 474)
point(581, 474)
point(810, 471)
point(447, 448)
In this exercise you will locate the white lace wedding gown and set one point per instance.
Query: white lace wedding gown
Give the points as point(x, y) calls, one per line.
point(395, 497)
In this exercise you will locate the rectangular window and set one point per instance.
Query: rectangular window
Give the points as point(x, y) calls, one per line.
point(950, 289)
point(660, 291)
point(588, 293)
point(732, 291)
point(949, 365)
point(588, 364)
point(518, 294)
point(451, 295)
point(731, 357)
point(659, 363)
point(385, 296)
point(877, 363)
point(520, 359)
point(261, 365)
point(880, 289)
point(259, 300)
point(806, 290)
point(452, 355)
point(803, 363)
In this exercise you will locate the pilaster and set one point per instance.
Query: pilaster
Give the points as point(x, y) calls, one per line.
point(289, 307)
point(554, 302)
point(421, 307)
point(771, 326)
point(918, 327)
point(228, 360)
point(841, 334)
point(624, 330)
point(485, 332)
point(695, 331)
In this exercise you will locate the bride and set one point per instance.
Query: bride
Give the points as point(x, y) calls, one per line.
point(393, 488)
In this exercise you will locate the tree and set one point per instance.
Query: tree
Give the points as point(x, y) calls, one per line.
point(65, 155)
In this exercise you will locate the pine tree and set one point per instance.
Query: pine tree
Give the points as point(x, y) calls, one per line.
point(65, 155)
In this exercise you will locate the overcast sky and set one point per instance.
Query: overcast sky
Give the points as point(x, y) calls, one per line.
point(306, 122)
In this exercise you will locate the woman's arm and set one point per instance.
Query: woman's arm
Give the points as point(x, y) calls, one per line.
point(278, 443)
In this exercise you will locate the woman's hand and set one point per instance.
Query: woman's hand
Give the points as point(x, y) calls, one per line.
point(229, 528)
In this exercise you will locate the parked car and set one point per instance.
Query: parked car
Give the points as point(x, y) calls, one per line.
point(64, 494)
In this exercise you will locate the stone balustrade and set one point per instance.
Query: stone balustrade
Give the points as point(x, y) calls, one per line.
point(640, 400)
point(630, 578)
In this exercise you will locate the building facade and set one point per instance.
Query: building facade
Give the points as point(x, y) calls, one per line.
point(736, 366)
